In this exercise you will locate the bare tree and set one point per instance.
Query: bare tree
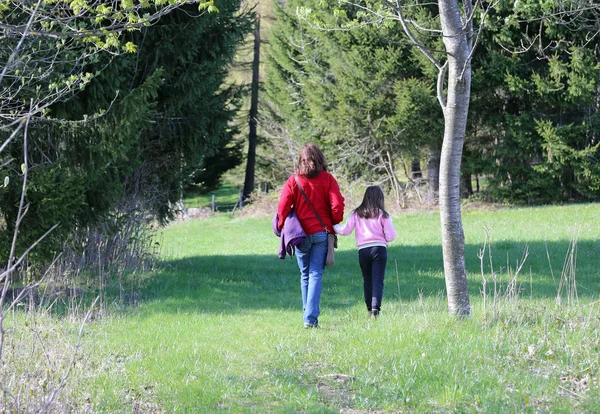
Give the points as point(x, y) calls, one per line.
point(457, 33)
point(252, 137)
point(15, 261)
point(455, 22)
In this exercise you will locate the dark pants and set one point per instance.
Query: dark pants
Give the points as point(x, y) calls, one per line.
point(372, 264)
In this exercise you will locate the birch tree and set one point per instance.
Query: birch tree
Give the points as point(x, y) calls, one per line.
point(454, 23)
point(454, 20)
point(457, 31)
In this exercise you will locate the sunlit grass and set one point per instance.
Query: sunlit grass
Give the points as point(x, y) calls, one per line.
point(220, 325)
point(226, 195)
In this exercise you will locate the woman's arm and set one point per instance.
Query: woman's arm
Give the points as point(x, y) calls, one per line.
point(337, 202)
point(285, 203)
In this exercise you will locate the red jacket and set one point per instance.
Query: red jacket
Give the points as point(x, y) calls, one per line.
point(324, 194)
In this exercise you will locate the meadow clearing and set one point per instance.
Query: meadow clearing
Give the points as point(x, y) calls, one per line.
point(218, 326)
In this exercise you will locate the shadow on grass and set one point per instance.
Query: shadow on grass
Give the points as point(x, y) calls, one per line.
point(235, 283)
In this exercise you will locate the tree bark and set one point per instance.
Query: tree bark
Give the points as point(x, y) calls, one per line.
point(433, 175)
point(457, 41)
point(466, 185)
point(252, 138)
point(415, 169)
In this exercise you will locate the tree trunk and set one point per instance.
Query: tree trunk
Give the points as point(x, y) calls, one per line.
point(457, 41)
point(466, 185)
point(433, 175)
point(415, 169)
point(252, 138)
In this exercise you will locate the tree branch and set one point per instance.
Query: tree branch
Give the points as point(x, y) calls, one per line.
point(440, 85)
point(398, 9)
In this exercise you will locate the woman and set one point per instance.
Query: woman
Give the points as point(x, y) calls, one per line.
point(323, 191)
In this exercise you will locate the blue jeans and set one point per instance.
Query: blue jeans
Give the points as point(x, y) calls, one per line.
point(311, 261)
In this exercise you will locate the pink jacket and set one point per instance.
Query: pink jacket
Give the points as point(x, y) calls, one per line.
point(376, 231)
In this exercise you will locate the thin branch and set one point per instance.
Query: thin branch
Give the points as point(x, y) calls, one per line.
point(420, 28)
point(481, 26)
point(21, 210)
point(5, 143)
point(30, 287)
point(114, 27)
point(422, 48)
point(20, 44)
point(440, 85)
point(79, 121)
point(22, 257)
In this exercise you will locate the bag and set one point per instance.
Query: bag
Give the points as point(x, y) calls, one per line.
point(331, 245)
point(331, 237)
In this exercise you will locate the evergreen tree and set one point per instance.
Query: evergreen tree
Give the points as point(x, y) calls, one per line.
point(193, 127)
point(356, 92)
point(164, 109)
point(535, 133)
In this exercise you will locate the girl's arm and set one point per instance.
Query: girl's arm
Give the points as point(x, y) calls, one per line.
point(346, 228)
point(389, 231)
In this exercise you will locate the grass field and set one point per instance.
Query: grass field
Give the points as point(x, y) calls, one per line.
point(220, 325)
point(225, 198)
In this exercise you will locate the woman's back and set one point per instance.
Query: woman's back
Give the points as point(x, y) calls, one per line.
point(324, 194)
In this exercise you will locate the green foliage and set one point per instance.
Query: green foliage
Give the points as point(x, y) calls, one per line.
point(348, 86)
point(189, 140)
point(77, 171)
point(535, 118)
point(576, 169)
point(417, 116)
point(209, 176)
point(162, 110)
point(341, 77)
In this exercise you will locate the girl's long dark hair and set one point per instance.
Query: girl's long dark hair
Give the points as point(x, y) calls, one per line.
point(372, 204)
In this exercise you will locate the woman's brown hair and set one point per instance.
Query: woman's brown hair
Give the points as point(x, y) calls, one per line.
point(311, 161)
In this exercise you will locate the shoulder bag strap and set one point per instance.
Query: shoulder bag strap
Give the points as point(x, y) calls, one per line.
point(309, 203)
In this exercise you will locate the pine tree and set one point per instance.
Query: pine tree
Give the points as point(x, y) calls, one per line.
point(163, 109)
point(537, 125)
point(358, 92)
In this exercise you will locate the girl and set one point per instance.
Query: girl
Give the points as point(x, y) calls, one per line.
point(374, 229)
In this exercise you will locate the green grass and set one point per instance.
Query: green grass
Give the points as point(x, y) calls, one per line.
point(227, 195)
point(220, 326)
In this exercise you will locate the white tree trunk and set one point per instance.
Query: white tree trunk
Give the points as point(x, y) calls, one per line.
point(458, 45)
point(457, 31)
